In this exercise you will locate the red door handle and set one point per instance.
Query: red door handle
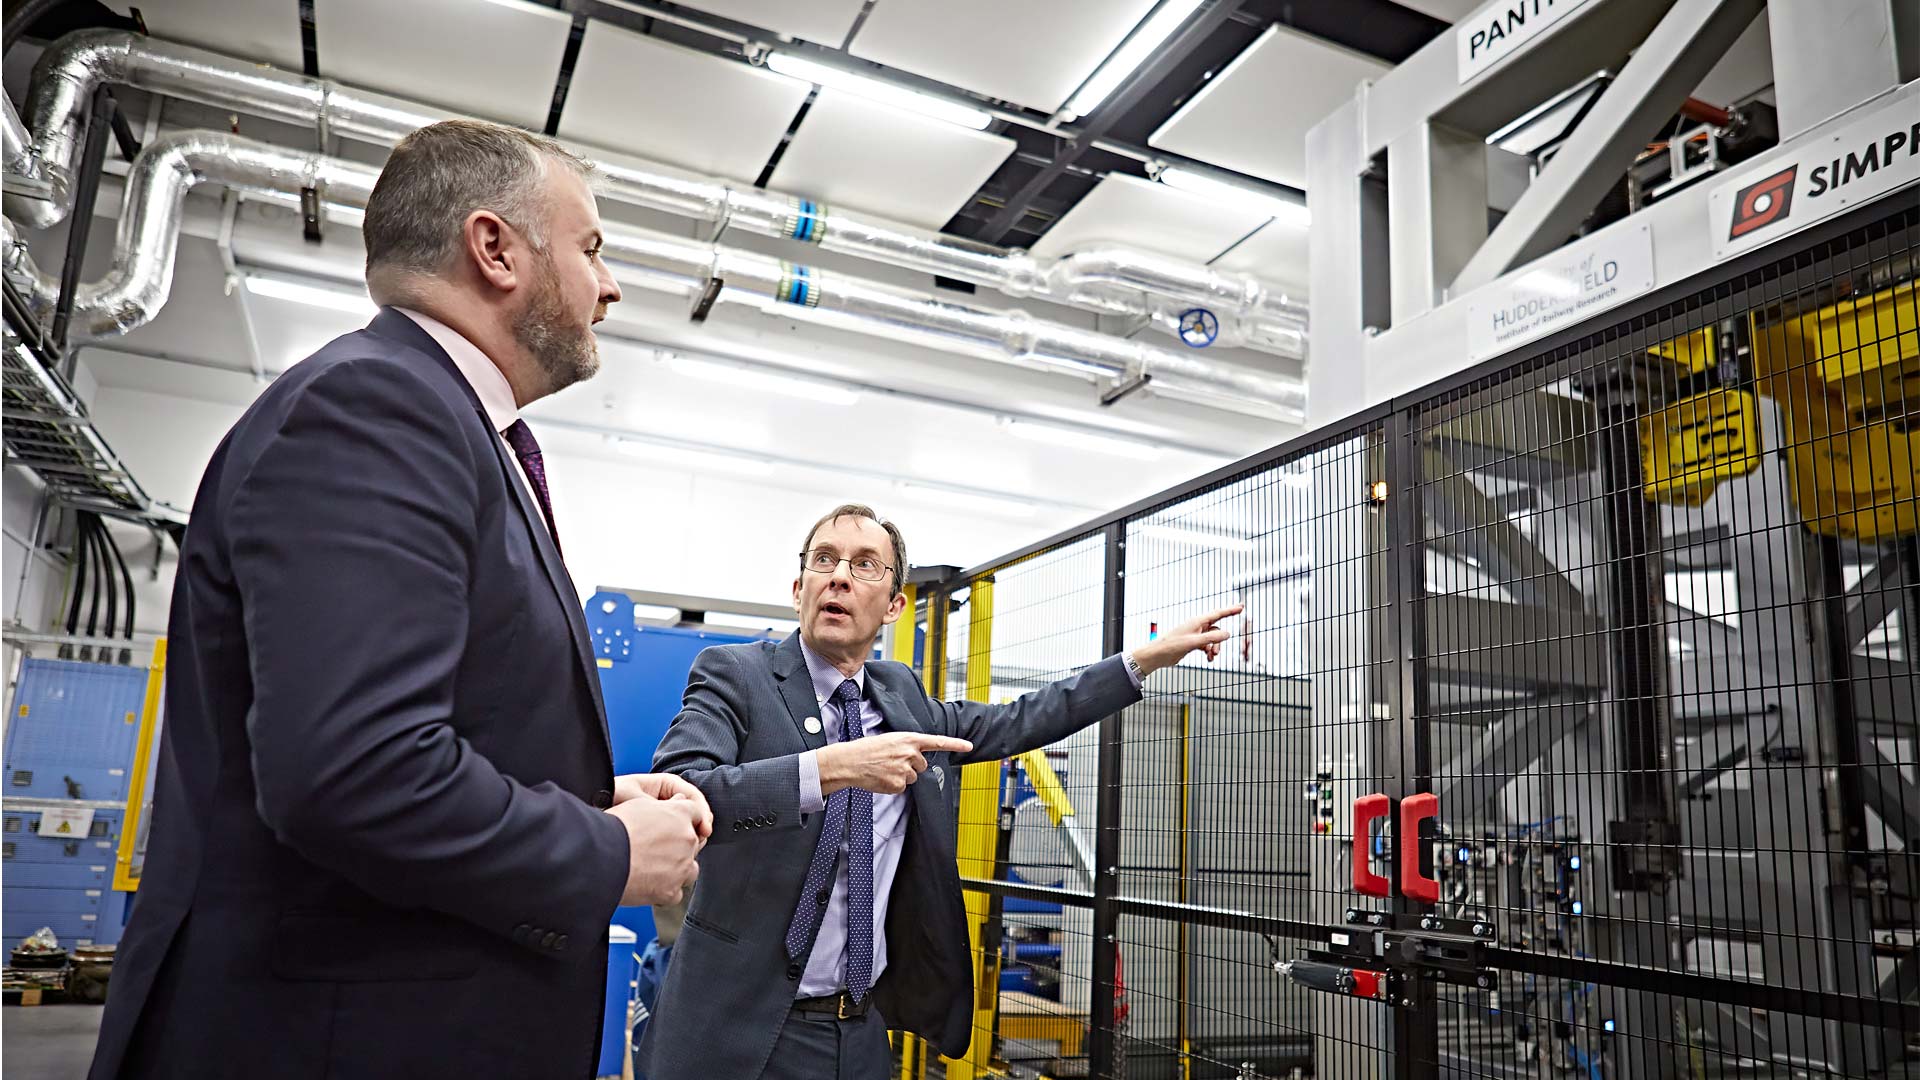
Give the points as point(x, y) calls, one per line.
point(1413, 810)
point(1366, 810)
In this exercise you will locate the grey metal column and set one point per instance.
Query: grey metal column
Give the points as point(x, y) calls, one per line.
point(1635, 732)
point(1829, 57)
point(1349, 290)
point(1685, 45)
point(1436, 212)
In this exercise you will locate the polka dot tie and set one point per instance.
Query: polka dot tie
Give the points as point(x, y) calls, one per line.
point(527, 449)
point(848, 822)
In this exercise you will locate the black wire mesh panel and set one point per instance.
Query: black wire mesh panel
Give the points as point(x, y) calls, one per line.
point(1671, 584)
point(1030, 821)
point(1237, 775)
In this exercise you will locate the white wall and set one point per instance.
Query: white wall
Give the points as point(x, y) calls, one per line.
point(625, 522)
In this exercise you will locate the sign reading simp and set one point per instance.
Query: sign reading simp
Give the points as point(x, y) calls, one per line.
point(1492, 35)
point(1560, 289)
point(1869, 156)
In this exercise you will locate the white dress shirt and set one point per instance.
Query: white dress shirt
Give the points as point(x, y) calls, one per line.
point(489, 385)
point(826, 971)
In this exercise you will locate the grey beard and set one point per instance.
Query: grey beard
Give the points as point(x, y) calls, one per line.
point(565, 351)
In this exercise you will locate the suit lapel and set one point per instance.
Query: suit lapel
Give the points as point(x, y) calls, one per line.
point(796, 689)
point(925, 796)
point(557, 577)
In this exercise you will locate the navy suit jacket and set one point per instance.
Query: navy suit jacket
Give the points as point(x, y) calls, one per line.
point(375, 848)
point(738, 739)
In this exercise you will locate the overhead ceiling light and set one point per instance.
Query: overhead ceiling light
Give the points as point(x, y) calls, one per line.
point(1052, 435)
point(952, 499)
point(1284, 211)
point(1196, 538)
point(758, 379)
point(798, 67)
point(664, 454)
point(1156, 28)
point(321, 296)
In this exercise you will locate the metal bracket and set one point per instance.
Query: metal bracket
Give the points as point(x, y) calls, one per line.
point(1120, 388)
point(710, 295)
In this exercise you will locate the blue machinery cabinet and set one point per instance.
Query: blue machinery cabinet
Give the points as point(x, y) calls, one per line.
point(643, 673)
point(70, 740)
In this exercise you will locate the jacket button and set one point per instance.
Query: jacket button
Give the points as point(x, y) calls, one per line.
point(736, 826)
point(602, 799)
point(560, 945)
point(823, 896)
point(793, 971)
point(772, 818)
point(520, 933)
point(547, 942)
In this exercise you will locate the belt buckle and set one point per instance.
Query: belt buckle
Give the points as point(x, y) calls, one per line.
point(842, 1005)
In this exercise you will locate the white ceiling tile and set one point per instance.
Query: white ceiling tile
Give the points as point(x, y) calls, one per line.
point(493, 58)
point(1034, 54)
point(887, 161)
point(618, 69)
point(1254, 116)
point(824, 22)
point(1276, 254)
point(246, 29)
point(1140, 213)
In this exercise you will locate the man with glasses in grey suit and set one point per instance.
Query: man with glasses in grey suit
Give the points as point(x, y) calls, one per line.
point(829, 906)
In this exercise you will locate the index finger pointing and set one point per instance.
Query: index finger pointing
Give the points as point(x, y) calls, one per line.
point(940, 743)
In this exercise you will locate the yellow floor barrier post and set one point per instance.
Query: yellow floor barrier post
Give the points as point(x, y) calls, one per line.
point(123, 876)
point(909, 1049)
point(979, 828)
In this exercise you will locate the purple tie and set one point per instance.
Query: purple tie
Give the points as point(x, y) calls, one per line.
point(527, 449)
point(849, 817)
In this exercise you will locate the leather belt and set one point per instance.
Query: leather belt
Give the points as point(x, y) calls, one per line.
point(840, 1006)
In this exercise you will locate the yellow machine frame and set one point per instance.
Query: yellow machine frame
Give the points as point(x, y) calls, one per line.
point(124, 878)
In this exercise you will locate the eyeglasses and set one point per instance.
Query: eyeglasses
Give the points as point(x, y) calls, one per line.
point(826, 561)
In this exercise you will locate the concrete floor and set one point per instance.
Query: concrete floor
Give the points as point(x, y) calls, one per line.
point(48, 1042)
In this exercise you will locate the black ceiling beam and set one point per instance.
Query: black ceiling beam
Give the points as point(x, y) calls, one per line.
point(1131, 91)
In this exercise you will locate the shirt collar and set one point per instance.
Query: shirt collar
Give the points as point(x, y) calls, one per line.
point(489, 385)
point(826, 677)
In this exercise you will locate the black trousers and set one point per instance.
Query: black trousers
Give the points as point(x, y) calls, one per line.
point(815, 1046)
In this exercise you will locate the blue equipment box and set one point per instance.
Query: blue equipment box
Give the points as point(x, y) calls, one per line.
point(73, 730)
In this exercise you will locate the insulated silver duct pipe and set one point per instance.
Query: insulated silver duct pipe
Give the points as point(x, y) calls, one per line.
point(137, 286)
point(1108, 279)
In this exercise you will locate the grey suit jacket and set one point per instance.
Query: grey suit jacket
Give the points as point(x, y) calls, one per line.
point(738, 738)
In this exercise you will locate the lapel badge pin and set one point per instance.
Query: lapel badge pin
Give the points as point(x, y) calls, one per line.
point(813, 725)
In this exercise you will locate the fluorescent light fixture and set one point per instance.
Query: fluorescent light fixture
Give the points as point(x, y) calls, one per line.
point(1156, 28)
point(1118, 445)
point(662, 454)
point(1195, 182)
point(798, 67)
point(321, 296)
point(759, 379)
point(1194, 537)
point(951, 499)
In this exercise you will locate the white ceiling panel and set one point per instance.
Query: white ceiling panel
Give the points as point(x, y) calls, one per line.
point(1140, 213)
point(1276, 254)
point(887, 161)
point(1254, 116)
point(1034, 54)
point(493, 58)
point(823, 22)
point(247, 29)
point(629, 91)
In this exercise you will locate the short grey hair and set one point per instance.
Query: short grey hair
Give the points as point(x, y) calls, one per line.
point(440, 174)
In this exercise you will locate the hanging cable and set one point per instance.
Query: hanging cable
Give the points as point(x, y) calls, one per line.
point(126, 581)
point(78, 560)
point(90, 525)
